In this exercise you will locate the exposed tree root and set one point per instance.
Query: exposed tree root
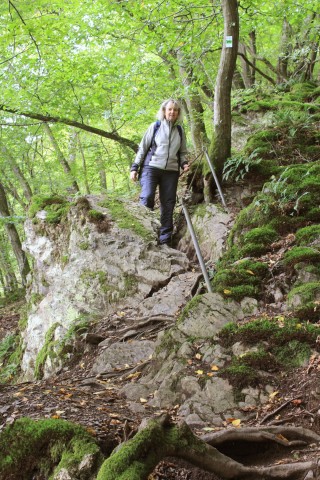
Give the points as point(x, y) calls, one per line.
point(158, 439)
point(55, 446)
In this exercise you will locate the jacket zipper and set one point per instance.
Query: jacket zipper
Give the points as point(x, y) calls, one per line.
point(170, 131)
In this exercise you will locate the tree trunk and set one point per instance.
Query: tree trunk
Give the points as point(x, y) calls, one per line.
point(10, 283)
point(84, 166)
point(63, 161)
point(195, 108)
point(17, 172)
point(283, 60)
point(220, 148)
point(245, 67)
point(253, 45)
point(14, 238)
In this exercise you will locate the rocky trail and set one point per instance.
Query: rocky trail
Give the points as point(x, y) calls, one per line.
point(98, 402)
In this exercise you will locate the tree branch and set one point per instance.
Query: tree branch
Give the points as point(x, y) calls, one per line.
point(256, 68)
point(72, 123)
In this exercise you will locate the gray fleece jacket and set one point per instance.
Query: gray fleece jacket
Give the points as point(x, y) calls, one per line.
point(168, 144)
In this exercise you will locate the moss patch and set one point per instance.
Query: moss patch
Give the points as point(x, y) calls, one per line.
point(283, 343)
point(56, 206)
point(307, 305)
point(301, 254)
point(124, 219)
point(243, 279)
point(46, 350)
point(28, 447)
point(10, 357)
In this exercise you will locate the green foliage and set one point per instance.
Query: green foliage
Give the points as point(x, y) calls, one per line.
point(238, 166)
point(12, 297)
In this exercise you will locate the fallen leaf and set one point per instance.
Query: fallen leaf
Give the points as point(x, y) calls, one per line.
point(227, 292)
point(143, 400)
point(272, 395)
point(199, 372)
point(281, 437)
point(236, 422)
point(214, 368)
point(198, 356)
point(133, 375)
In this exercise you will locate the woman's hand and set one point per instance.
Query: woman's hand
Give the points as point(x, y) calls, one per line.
point(186, 167)
point(134, 176)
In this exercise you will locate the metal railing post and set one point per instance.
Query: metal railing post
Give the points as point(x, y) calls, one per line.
point(215, 178)
point(197, 248)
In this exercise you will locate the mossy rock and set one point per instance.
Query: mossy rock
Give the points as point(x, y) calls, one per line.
point(125, 219)
point(257, 241)
point(29, 448)
point(273, 331)
point(261, 142)
point(241, 376)
point(307, 235)
point(301, 254)
point(283, 344)
point(240, 280)
point(306, 91)
point(10, 357)
point(304, 301)
point(56, 207)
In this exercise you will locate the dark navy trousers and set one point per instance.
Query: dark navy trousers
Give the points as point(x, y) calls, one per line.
point(167, 181)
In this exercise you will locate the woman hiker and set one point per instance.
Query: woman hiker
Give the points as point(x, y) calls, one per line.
point(160, 156)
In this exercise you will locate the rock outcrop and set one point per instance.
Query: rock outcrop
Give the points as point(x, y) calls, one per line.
point(85, 269)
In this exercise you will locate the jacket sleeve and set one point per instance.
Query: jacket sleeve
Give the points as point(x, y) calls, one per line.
point(144, 146)
point(183, 150)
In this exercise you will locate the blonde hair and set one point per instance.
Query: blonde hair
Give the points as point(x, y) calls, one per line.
point(161, 112)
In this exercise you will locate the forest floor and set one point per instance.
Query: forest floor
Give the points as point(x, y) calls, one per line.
point(95, 403)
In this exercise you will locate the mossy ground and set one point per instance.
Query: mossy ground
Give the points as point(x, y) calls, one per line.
point(280, 344)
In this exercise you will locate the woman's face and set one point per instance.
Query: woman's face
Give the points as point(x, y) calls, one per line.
point(171, 112)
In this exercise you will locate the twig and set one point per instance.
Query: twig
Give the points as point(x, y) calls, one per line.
point(278, 409)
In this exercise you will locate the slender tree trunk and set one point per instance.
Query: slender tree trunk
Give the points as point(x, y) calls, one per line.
point(14, 237)
point(283, 60)
point(63, 161)
point(253, 43)
point(220, 148)
point(17, 172)
point(12, 190)
point(84, 167)
point(195, 108)
point(9, 280)
point(245, 67)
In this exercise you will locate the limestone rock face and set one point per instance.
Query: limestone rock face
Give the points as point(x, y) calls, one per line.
point(84, 268)
point(211, 225)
